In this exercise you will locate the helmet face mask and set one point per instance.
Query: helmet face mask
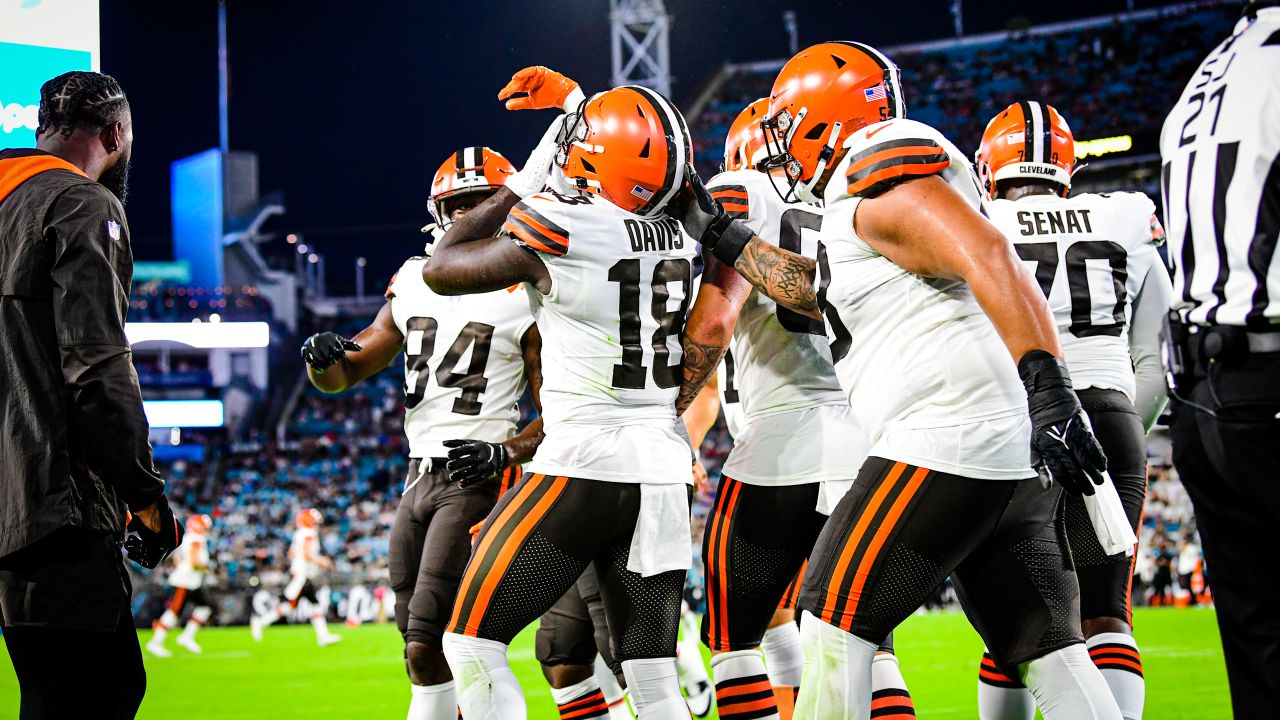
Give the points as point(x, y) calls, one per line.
point(821, 97)
point(628, 145)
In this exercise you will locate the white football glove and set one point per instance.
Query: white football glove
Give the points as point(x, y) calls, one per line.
point(532, 178)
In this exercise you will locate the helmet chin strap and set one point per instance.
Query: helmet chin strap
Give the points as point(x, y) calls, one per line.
point(805, 191)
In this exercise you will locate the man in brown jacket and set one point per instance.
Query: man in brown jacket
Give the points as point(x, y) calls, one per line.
point(75, 464)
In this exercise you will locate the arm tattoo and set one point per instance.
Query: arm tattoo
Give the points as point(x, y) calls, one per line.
point(700, 363)
point(786, 277)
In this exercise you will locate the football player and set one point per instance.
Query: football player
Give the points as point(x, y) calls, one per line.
point(305, 563)
point(796, 454)
point(608, 276)
point(925, 302)
point(467, 361)
point(1094, 257)
point(191, 562)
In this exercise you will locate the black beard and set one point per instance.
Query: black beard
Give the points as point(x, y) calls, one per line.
point(116, 179)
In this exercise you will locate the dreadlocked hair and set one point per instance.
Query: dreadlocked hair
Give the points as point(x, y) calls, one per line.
point(80, 99)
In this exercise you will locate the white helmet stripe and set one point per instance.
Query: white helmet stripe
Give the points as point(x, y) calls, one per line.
point(1037, 132)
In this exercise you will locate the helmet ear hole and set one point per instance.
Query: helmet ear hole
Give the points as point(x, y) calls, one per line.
point(644, 151)
point(816, 132)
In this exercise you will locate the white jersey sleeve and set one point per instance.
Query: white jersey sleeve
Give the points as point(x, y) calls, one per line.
point(463, 361)
point(611, 330)
point(783, 359)
point(1091, 255)
point(927, 376)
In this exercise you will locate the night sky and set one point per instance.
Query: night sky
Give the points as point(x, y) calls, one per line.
point(352, 106)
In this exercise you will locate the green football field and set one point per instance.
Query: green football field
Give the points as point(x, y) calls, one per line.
point(287, 676)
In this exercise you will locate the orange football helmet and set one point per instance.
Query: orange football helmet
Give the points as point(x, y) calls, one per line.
point(199, 524)
point(471, 169)
point(630, 146)
point(1026, 140)
point(309, 518)
point(822, 96)
point(744, 147)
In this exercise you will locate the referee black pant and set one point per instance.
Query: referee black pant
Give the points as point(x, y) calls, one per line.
point(65, 673)
point(1226, 447)
point(64, 604)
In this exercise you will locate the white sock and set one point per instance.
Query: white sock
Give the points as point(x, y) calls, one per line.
point(581, 701)
point(167, 622)
point(487, 689)
point(1001, 696)
point(889, 689)
point(1067, 686)
point(432, 702)
point(613, 692)
point(782, 655)
point(1116, 655)
point(199, 617)
point(654, 689)
point(837, 672)
point(322, 627)
point(742, 686)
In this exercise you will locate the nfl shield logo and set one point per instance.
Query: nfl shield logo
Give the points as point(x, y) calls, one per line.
point(113, 229)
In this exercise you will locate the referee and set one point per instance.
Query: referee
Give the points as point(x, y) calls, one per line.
point(74, 457)
point(1220, 149)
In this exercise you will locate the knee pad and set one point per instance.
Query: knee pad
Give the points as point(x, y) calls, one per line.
point(654, 688)
point(783, 657)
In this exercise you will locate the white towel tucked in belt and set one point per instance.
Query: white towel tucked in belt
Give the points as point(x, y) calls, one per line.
point(661, 541)
point(1110, 523)
point(830, 492)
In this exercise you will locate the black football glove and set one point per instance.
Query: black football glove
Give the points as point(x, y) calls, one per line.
point(471, 461)
point(1061, 440)
point(705, 221)
point(147, 548)
point(324, 349)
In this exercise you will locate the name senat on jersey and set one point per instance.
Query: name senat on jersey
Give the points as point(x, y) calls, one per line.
point(654, 236)
point(1048, 222)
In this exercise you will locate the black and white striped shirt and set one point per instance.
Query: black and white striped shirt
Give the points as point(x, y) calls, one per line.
point(1220, 148)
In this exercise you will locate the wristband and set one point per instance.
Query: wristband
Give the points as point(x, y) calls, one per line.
point(727, 238)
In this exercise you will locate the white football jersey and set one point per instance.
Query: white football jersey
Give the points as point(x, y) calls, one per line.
point(611, 328)
point(927, 376)
point(192, 561)
point(782, 359)
point(1091, 255)
point(306, 542)
point(730, 395)
point(463, 364)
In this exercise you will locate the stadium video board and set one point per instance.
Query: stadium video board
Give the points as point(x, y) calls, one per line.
point(40, 39)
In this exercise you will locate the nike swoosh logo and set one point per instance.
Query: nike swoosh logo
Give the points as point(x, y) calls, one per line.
point(873, 132)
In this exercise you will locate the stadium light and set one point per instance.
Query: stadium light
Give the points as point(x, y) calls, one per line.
point(1103, 146)
point(202, 335)
point(183, 413)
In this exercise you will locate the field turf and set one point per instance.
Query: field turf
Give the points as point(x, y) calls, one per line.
point(287, 676)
